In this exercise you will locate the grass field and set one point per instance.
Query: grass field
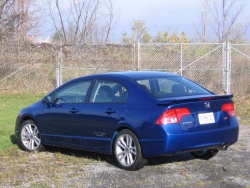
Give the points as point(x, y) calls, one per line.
point(10, 104)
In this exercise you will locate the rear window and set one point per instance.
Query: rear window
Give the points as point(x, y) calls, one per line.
point(171, 87)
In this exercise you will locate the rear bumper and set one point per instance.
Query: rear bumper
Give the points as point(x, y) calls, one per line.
point(174, 143)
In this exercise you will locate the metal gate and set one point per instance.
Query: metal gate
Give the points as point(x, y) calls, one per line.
point(206, 64)
point(240, 69)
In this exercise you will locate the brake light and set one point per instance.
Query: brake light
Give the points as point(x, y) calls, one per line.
point(172, 116)
point(229, 108)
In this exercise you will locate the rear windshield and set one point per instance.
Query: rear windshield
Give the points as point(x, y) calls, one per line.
point(171, 87)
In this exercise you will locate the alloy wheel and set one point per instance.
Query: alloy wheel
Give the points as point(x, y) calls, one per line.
point(126, 150)
point(30, 137)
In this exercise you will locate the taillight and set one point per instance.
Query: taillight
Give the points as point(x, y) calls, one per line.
point(229, 108)
point(172, 116)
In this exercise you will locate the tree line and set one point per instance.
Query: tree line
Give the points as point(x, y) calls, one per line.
point(91, 21)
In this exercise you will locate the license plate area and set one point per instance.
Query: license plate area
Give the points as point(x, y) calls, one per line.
point(206, 118)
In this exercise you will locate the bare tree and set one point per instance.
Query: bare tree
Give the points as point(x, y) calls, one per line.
point(5, 6)
point(82, 21)
point(202, 32)
point(18, 18)
point(221, 19)
point(226, 19)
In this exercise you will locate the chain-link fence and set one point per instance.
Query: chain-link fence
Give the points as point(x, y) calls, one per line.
point(27, 68)
point(79, 60)
point(40, 68)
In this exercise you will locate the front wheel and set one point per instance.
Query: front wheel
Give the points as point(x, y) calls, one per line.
point(205, 154)
point(127, 151)
point(30, 139)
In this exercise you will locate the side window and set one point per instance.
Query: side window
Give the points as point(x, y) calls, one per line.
point(74, 93)
point(145, 84)
point(106, 91)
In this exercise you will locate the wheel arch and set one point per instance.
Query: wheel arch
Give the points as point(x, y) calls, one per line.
point(23, 119)
point(116, 132)
point(23, 122)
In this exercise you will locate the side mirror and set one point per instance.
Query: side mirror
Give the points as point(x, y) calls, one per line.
point(47, 100)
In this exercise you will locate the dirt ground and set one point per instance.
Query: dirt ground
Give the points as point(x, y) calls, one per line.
point(229, 168)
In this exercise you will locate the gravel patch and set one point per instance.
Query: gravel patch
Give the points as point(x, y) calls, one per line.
point(229, 168)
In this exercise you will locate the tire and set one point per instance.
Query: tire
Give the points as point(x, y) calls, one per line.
point(205, 154)
point(30, 139)
point(127, 151)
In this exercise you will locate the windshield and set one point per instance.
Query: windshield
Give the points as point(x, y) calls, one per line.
point(171, 87)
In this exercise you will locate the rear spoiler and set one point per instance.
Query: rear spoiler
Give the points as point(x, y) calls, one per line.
point(175, 100)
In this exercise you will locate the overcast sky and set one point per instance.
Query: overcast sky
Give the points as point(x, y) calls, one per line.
point(159, 15)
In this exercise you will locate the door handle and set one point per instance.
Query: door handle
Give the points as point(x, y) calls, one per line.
point(73, 111)
point(110, 111)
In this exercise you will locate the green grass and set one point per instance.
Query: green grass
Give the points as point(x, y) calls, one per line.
point(10, 105)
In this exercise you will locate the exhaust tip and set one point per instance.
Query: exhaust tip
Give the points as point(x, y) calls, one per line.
point(225, 147)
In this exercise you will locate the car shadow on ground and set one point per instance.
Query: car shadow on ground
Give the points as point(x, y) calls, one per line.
point(14, 140)
point(153, 161)
point(183, 157)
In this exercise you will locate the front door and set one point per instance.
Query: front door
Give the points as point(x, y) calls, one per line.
point(60, 119)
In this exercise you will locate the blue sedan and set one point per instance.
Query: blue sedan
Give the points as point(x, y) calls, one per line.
point(131, 115)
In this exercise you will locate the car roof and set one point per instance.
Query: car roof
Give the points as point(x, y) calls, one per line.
point(135, 74)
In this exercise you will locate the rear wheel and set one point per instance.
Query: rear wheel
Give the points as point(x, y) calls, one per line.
point(205, 154)
point(30, 139)
point(127, 151)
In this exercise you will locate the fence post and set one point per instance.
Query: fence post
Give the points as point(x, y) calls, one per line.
point(228, 67)
point(59, 66)
point(138, 57)
point(133, 57)
point(181, 59)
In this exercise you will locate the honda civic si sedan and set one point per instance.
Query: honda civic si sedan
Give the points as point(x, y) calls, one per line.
point(132, 116)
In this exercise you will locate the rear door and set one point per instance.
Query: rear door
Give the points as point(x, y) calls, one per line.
point(101, 114)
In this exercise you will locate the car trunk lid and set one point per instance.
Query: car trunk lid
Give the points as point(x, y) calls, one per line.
point(200, 112)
